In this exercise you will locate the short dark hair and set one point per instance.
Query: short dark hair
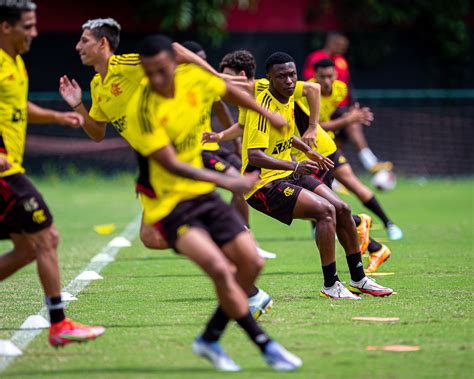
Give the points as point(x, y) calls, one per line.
point(155, 44)
point(107, 28)
point(193, 46)
point(278, 57)
point(334, 34)
point(323, 63)
point(240, 60)
point(11, 10)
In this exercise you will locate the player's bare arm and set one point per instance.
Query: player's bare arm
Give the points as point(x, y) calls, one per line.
point(4, 164)
point(324, 162)
point(312, 92)
point(356, 115)
point(166, 157)
point(184, 55)
point(234, 132)
point(71, 92)
point(39, 115)
point(258, 158)
point(242, 99)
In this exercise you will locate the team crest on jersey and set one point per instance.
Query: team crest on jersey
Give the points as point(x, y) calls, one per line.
point(192, 98)
point(11, 77)
point(115, 89)
point(288, 191)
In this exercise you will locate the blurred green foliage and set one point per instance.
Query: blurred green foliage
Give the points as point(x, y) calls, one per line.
point(206, 18)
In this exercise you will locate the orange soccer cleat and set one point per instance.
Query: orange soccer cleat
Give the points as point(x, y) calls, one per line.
point(377, 258)
point(68, 331)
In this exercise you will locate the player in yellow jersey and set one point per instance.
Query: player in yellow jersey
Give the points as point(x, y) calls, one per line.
point(24, 216)
point(332, 91)
point(162, 124)
point(289, 191)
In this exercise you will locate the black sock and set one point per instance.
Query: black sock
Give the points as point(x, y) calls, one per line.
point(356, 219)
point(215, 326)
point(254, 292)
point(256, 334)
point(375, 207)
point(56, 309)
point(356, 267)
point(374, 246)
point(330, 274)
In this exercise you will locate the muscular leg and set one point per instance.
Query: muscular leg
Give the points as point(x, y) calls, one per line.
point(21, 255)
point(355, 133)
point(311, 206)
point(151, 237)
point(345, 227)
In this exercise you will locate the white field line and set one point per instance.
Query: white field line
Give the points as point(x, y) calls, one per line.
point(23, 337)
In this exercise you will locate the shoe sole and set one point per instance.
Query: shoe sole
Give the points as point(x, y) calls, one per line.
point(358, 291)
point(55, 343)
point(266, 309)
point(326, 296)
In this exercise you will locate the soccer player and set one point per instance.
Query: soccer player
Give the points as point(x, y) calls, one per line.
point(24, 216)
point(117, 78)
point(332, 91)
point(241, 64)
point(162, 125)
point(289, 191)
point(218, 158)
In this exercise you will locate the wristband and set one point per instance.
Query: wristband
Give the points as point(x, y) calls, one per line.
point(296, 168)
point(74, 107)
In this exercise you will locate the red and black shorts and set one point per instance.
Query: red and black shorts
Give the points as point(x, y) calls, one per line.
point(207, 212)
point(22, 208)
point(277, 199)
point(326, 176)
point(221, 160)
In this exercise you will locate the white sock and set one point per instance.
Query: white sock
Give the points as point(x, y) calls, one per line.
point(367, 158)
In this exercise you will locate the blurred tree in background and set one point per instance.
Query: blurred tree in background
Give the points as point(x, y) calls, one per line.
point(207, 18)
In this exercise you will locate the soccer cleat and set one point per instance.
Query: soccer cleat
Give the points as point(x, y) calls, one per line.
point(369, 286)
point(394, 232)
point(260, 303)
point(265, 254)
point(215, 354)
point(279, 358)
point(68, 331)
point(363, 232)
point(337, 292)
point(379, 166)
point(377, 258)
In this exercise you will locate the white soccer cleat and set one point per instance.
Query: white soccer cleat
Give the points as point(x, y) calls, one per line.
point(280, 359)
point(394, 232)
point(337, 292)
point(265, 254)
point(369, 286)
point(214, 353)
point(260, 303)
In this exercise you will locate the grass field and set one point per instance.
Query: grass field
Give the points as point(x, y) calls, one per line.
point(154, 303)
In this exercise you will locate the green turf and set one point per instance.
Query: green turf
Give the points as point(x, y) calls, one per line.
point(154, 303)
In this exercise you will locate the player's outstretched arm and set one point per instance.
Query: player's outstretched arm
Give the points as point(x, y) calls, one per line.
point(234, 132)
point(312, 92)
point(323, 162)
point(166, 157)
point(242, 99)
point(39, 115)
point(356, 115)
point(259, 158)
point(71, 92)
point(184, 55)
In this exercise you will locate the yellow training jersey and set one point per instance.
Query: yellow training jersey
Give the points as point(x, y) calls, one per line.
point(13, 111)
point(205, 126)
point(261, 85)
point(258, 134)
point(110, 96)
point(155, 122)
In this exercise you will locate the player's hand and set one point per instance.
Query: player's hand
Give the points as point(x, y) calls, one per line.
point(309, 137)
point(70, 91)
point(242, 184)
point(72, 119)
point(276, 120)
point(323, 162)
point(211, 137)
point(306, 168)
point(360, 115)
point(4, 164)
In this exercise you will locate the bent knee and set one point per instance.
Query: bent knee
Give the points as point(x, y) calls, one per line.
point(342, 208)
point(220, 272)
